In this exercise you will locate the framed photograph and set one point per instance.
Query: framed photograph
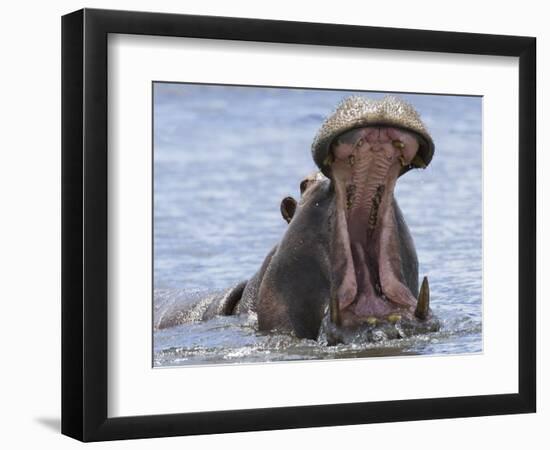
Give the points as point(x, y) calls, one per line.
point(273, 224)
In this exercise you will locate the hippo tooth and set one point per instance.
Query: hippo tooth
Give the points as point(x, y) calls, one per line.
point(351, 160)
point(372, 320)
point(418, 162)
point(402, 161)
point(334, 311)
point(350, 193)
point(423, 305)
point(377, 199)
point(394, 318)
point(398, 144)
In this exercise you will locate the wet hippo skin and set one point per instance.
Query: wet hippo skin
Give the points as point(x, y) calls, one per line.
point(346, 267)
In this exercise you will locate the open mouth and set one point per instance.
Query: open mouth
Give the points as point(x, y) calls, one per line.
point(368, 272)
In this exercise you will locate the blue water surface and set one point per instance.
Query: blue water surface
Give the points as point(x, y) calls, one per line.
point(225, 156)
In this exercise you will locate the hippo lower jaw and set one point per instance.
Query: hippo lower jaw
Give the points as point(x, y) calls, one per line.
point(369, 286)
point(376, 329)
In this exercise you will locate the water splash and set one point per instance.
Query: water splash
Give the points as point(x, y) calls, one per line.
point(236, 340)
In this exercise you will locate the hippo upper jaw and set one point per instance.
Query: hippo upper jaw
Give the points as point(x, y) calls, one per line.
point(358, 112)
point(366, 254)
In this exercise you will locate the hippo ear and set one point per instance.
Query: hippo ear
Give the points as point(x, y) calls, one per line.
point(303, 185)
point(288, 208)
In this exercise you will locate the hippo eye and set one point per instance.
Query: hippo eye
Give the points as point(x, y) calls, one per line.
point(303, 186)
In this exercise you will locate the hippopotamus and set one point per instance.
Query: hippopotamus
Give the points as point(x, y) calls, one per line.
point(346, 268)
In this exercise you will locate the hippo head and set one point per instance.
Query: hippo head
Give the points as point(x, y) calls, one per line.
point(360, 117)
point(363, 148)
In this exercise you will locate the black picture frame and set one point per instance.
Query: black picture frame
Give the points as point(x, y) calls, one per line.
point(84, 224)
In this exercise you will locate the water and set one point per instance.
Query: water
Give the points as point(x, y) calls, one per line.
point(225, 157)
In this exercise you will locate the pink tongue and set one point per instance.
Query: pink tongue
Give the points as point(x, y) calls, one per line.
point(372, 306)
point(367, 301)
